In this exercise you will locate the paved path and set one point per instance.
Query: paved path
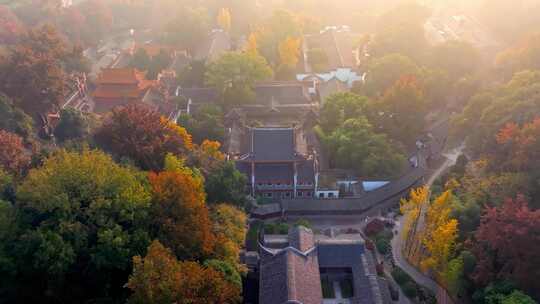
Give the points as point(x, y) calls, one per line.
point(397, 240)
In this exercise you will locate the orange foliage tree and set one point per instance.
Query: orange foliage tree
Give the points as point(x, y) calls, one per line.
point(13, 156)
point(161, 278)
point(144, 136)
point(521, 145)
point(180, 213)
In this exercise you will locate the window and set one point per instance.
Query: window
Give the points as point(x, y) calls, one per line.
point(321, 195)
point(299, 193)
point(268, 194)
point(330, 194)
point(288, 194)
point(309, 194)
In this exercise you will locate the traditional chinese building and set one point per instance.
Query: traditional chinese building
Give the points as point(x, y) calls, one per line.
point(278, 162)
point(314, 269)
point(118, 87)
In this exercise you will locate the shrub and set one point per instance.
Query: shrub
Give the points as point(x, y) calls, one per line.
point(410, 290)
point(400, 276)
point(383, 246)
point(303, 222)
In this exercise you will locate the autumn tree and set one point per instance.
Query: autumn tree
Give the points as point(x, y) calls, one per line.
point(207, 157)
point(224, 19)
point(79, 211)
point(229, 225)
point(514, 101)
point(412, 209)
point(14, 158)
point(234, 75)
point(160, 278)
point(440, 235)
point(280, 26)
point(33, 75)
point(507, 244)
point(180, 214)
point(252, 45)
point(143, 136)
point(11, 27)
point(289, 53)
point(521, 145)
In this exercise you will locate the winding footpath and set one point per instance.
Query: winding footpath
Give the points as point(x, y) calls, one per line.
point(397, 240)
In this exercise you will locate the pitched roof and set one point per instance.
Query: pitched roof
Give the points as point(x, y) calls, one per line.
point(273, 172)
point(338, 46)
point(292, 92)
point(122, 83)
point(200, 95)
point(120, 76)
point(271, 144)
point(292, 273)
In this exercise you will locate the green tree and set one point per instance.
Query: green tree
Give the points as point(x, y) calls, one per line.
point(383, 72)
point(80, 211)
point(457, 58)
point(517, 297)
point(355, 145)
point(340, 107)
point(72, 125)
point(403, 110)
point(205, 123)
point(401, 30)
point(14, 119)
point(189, 28)
point(235, 74)
point(192, 75)
point(226, 184)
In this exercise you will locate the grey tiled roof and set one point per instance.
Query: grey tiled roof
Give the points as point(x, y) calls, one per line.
point(281, 93)
point(293, 273)
point(274, 172)
point(270, 144)
point(200, 95)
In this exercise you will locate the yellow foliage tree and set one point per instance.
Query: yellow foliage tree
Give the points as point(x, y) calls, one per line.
point(289, 51)
point(440, 234)
point(252, 45)
point(411, 210)
point(440, 244)
point(224, 19)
